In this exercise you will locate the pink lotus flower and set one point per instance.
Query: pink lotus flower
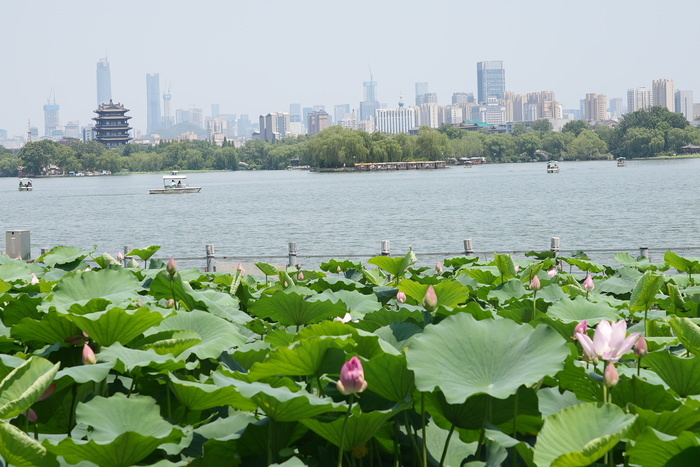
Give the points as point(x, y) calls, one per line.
point(401, 297)
point(300, 276)
point(88, 355)
point(535, 283)
point(517, 269)
point(352, 377)
point(610, 341)
point(438, 268)
point(31, 415)
point(430, 300)
point(120, 256)
point(552, 272)
point(240, 268)
point(171, 267)
point(641, 348)
point(581, 328)
point(35, 280)
point(611, 376)
point(345, 319)
point(588, 283)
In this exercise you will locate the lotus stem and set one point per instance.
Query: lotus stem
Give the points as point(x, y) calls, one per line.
point(422, 416)
point(534, 306)
point(447, 445)
point(639, 366)
point(342, 431)
point(269, 442)
point(410, 435)
point(515, 417)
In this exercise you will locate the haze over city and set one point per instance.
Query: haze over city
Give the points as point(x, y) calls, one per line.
point(254, 58)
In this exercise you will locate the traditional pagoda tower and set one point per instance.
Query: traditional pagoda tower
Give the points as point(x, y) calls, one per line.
point(112, 125)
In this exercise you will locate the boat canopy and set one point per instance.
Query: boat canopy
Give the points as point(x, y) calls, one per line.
point(174, 177)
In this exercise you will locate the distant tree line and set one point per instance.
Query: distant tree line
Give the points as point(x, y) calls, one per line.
point(644, 133)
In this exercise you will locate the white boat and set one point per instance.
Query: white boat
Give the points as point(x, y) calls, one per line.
point(175, 183)
point(621, 162)
point(25, 184)
point(552, 167)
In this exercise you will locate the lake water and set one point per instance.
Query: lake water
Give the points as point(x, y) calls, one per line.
point(502, 207)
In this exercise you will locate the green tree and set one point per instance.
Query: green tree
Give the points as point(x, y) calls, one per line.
point(500, 147)
point(338, 147)
point(527, 144)
point(586, 146)
point(36, 156)
point(431, 144)
point(542, 124)
point(9, 163)
point(555, 143)
point(575, 127)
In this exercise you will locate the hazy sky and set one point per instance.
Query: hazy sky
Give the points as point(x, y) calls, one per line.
point(261, 55)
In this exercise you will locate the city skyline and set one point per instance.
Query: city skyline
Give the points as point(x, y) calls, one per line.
point(246, 72)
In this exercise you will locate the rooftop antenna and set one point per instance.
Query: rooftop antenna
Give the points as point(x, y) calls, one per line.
point(370, 72)
point(29, 131)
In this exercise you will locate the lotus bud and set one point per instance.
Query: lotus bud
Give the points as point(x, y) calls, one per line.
point(87, 336)
point(169, 303)
point(352, 377)
point(517, 269)
point(430, 300)
point(88, 269)
point(50, 390)
point(581, 328)
point(552, 272)
point(300, 276)
point(31, 415)
point(120, 256)
point(535, 283)
point(588, 283)
point(401, 297)
point(240, 268)
point(438, 268)
point(345, 319)
point(611, 377)
point(641, 348)
point(35, 280)
point(171, 267)
point(88, 356)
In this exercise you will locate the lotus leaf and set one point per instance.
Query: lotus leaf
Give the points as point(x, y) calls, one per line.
point(681, 374)
point(688, 333)
point(360, 428)
point(291, 309)
point(655, 449)
point(19, 450)
point(494, 357)
point(24, 385)
point(580, 309)
point(52, 328)
point(117, 324)
point(580, 434)
point(200, 396)
point(115, 285)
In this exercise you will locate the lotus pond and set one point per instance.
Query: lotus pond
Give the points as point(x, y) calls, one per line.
point(546, 361)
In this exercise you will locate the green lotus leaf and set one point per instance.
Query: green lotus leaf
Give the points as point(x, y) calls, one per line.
point(24, 385)
point(168, 342)
point(125, 360)
point(165, 286)
point(644, 395)
point(367, 344)
point(216, 334)
point(117, 324)
point(688, 333)
point(385, 317)
point(551, 400)
point(144, 253)
point(200, 396)
point(622, 283)
point(224, 429)
point(584, 264)
point(53, 328)
point(641, 262)
point(19, 450)
point(398, 334)
point(115, 285)
point(16, 271)
point(449, 293)
point(580, 309)
point(644, 293)
point(655, 449)
point(302, 359)
point(20, 307)
point(684, 418)
point(686, 265)
point(291, 309)
point(267, 269)
point(580, 434)
point(681, 374)
point(124, 431)
point(551, 293)
point(457, 450)
point(355, 301)
point(280, 403)
point(84, 373)
point(505, 265)
point(222, 305)
point(394, 266)
point(509, 290)
point(388, 376)
point(62, 255)
point(334, 265)
point(575, 377)
point(360, 428)
point(488, 356)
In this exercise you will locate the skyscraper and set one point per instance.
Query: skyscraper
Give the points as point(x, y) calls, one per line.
point(638, 99)
point(684, 104)
point(168, 119)
point(370, 103)
point(51, 120)
point(104, 82)
point(595, 109)
point(491, 80)
point(421, 89)
point(153, 119)
point(664, 93)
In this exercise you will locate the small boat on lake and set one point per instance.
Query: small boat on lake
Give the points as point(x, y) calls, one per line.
point(25, 184)
point(175, 183)
point(621, 162)
point(552, 167)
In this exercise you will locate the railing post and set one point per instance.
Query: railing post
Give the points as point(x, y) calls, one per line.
point(292, 248)
point(468, 247)
point(127, 250)
point(644, 252)
point(211, 265)
point(386, 248)
point(555, 246)
point(44, 250)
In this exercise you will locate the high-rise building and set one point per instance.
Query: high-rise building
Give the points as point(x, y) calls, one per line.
point(615, 107)
point(421, 89)
point(318, 121)
point(295, 113)
point(340, 113)
point(394, 121)
point(684, 104)
point(197, 117)
point(427, 98)
point(491, 112)
point(112, 125)
point(638, 99)
point(595, 107)
point(462, 97)
point(370, 103)
point(428, 115)
point(153, 118)
point(168, 119)
point(244, 125)
point(72, 129)
point(215, 110)
point(104, 82)
point(274, 126)
point(51, 120)
point(664, 93)
point(491, 80)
